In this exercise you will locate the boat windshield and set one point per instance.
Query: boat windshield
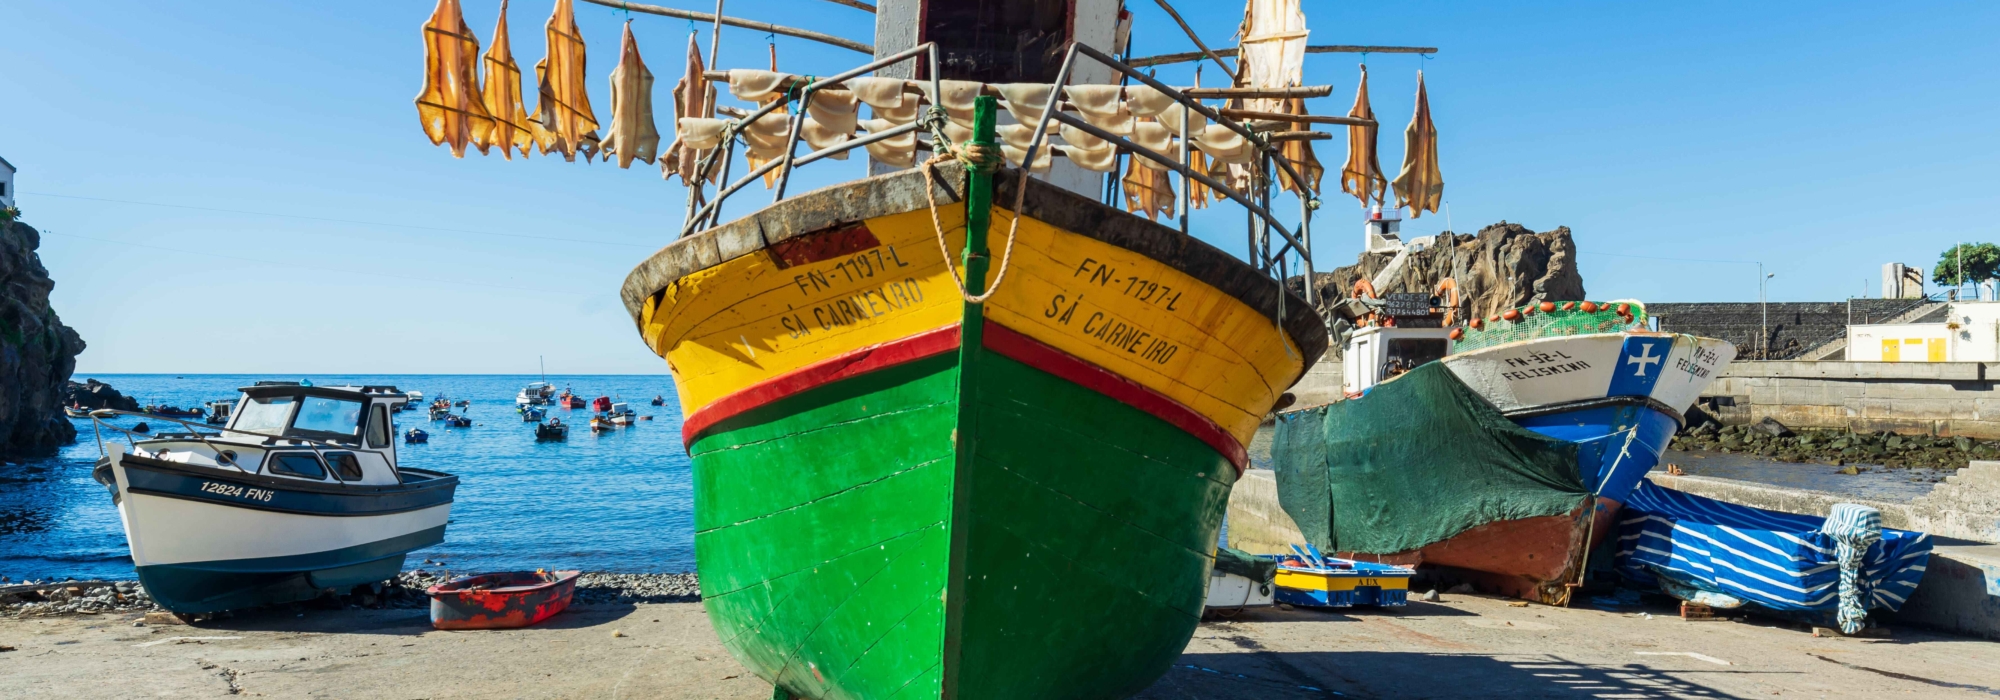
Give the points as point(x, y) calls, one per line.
point(265, 415)
point(324, 415)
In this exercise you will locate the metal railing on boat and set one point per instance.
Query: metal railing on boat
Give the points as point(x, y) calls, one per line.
point(222, 457)
point(1273, 262)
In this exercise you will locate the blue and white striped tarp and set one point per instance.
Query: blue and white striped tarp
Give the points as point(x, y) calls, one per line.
point(1777, 561)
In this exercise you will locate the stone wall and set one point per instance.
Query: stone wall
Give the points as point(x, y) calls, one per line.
point(1936, 398)
point(37, 352)
point(1796, 326)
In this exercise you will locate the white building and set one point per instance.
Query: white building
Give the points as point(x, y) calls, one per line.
point(6, 184)
point(1969, 333)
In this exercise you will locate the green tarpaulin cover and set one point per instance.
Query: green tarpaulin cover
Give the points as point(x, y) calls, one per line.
point(1416, 461)
point(1245, 564)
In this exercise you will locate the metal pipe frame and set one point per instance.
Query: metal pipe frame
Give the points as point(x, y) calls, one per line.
point(1050, 113)
point(712, 210)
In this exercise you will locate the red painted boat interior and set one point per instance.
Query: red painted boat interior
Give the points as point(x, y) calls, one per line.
point(501, 600)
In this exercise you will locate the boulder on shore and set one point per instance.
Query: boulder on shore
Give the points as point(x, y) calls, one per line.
point(93, 395)
point(37, 352)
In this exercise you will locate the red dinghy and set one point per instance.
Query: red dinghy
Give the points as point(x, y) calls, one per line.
point(499, 601)
point(601, 404)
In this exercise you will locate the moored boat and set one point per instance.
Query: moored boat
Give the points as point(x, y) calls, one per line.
point(75, 412)
point(1500, 448)
point(569, 401)
point(301, 493)
point(552, 430)
point(416, 436)
point(218, 411)
point(621, 414)
point(535, 394)
point(532, 414)
point(1010, 491)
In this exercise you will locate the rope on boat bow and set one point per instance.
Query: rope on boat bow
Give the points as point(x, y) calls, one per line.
point(972, 155)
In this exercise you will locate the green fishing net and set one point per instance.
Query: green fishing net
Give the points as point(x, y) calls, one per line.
point(1568, 318)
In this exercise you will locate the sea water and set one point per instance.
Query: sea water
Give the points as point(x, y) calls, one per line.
point(619, 501)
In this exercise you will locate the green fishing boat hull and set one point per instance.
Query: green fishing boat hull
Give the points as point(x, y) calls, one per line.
point(923, 531)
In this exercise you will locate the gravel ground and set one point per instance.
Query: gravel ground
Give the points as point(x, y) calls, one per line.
point(35, 599)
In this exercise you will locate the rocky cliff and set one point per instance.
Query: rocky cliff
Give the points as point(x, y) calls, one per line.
point(37, 352)
point(1505, 265)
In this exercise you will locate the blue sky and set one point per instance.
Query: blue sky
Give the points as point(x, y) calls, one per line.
point(312, 228)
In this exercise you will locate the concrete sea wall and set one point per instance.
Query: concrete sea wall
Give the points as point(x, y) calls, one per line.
point(1937, 398)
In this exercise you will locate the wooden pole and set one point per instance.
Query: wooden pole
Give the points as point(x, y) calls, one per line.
point(1240, 114)
point(1197, 41)
point(1261, 92)
point(1164, 59)
point(806, 34)
point(856, 4)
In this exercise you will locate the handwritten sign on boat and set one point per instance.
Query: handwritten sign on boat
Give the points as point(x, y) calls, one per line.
point(1401, 304)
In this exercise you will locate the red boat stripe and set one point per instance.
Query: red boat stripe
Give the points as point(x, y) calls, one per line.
point(853, 364)
point(1033, 353)
point(998, 338)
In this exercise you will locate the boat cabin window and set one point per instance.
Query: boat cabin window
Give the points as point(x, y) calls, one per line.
point(324, 415)
point(266, 415)
point(298, 464)
point(378, 427)
point(1406, 354)
point(345, 464)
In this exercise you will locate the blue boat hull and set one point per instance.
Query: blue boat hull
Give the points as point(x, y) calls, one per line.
point(1618, 441)
point(206, 587)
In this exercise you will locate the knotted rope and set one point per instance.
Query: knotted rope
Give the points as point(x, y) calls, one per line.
point(974, 156)
point(1854, 528)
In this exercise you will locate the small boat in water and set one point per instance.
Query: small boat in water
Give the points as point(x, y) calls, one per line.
point(569, 400)
point(463, 403)
point(299, 494)
point(500, 601)
point(659, 401)
point(621, 414)
point(173, 411)
point(416, 436)
point(599, 423)
point(218, 411)
point(1499, 449)
point(75, 412)
point(601, 404)
point(457, 421)
point(552, 430)
point(411, 399)
point(535, 394)
point(533, 414)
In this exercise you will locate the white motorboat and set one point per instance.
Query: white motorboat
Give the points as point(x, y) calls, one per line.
point(300, 494)
point(535, 394)
point(621, 414)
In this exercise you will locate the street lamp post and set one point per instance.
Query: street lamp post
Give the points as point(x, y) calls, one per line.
point(1764, 340)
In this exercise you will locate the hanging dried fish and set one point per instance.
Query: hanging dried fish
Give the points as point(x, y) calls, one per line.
point(1148, 189)
point(1362, 176)
point(632, 134)
point(694, 98)
point(1272, 55)
point(1300, 153)
point(1420, 186)
point(449, 106)
point(502, 96)
point(563, 122)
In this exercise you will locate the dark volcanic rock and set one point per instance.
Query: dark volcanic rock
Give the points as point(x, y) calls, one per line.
point(95, 394)
point(1505, 266)
point(37, 352)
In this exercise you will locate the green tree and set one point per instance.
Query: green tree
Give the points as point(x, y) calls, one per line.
point(1979, 261)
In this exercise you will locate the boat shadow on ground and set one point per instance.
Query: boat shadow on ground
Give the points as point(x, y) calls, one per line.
point(405, 622)
point(1262, 674)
